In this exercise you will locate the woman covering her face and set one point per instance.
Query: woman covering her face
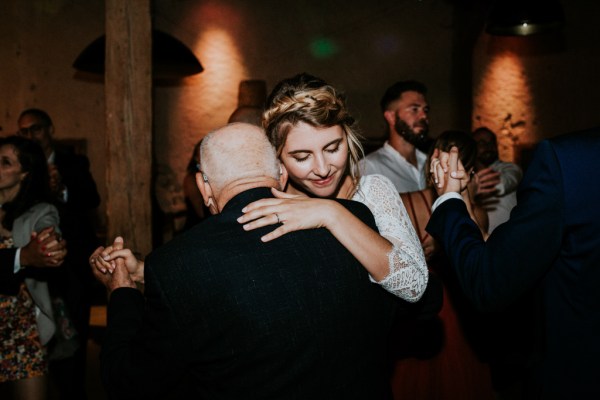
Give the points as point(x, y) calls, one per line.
point(306, 120)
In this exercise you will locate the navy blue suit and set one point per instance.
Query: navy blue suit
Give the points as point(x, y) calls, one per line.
point(226, 316)
point(549, 247)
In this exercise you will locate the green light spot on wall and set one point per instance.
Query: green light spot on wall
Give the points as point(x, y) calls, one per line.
point(323, 48)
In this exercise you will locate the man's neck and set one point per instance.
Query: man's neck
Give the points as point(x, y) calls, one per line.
point(237, 187)
point(406, 150)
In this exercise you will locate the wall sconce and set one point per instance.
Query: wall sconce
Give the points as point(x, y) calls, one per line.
point(524, 17)
point(171, 59)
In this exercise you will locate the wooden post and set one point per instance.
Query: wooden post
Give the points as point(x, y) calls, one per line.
point(128, 86)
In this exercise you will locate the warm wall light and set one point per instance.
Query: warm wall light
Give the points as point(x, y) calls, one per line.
point(502, 100)
point(525, 17)
point(171, 59)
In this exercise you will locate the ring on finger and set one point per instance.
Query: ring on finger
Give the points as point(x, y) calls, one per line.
point(277, 216)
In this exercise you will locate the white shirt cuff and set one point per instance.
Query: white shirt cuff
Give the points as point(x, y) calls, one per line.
point(17, 266)
point(444, 197)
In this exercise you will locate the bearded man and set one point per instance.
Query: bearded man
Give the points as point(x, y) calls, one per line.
point(405, 110)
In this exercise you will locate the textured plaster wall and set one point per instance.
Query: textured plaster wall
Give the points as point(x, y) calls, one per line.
point(39, 40)
point(530, 88)
point(370, 46)
point(361, 47)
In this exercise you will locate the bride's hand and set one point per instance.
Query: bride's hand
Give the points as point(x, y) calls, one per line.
point(292, 212)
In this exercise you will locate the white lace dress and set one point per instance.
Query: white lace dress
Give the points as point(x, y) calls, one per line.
point(408, 274)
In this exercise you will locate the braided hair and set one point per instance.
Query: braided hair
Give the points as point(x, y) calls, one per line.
point(306, 98)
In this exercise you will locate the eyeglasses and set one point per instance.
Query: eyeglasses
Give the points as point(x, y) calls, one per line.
point(31, 130)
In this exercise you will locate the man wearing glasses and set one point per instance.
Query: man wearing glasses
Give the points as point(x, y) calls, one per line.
point(77, 199)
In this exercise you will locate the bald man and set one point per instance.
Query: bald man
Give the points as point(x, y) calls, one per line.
point(226, 316)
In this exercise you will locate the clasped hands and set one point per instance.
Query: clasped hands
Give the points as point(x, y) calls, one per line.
point(46, 248)
point(447, 172)
point(115, 266)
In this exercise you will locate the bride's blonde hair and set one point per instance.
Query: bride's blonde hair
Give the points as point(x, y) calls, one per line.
point(306, 98)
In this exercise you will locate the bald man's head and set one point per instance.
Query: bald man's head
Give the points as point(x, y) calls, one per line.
point(238, 153)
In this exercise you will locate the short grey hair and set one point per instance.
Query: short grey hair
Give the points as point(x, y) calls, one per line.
point(237, 151)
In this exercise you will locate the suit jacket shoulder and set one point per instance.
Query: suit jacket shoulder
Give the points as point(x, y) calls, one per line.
point(232, 313)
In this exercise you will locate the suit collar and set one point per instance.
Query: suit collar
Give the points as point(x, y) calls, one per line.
point(241, 200)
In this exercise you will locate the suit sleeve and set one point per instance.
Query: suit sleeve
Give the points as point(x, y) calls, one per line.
point(138, 360)
point(513, 261)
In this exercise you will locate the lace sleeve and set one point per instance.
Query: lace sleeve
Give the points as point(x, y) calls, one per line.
point(408, 274)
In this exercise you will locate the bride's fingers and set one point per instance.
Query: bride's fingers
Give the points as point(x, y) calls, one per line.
point(261, 212)
point(269, 219)
point(279, 232)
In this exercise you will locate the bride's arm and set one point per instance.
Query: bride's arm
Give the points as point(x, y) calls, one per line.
point(299, 212)
point(408, 274)
point(374, 252)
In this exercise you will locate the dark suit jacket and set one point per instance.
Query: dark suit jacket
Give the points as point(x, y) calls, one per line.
point(550, 246)
point(75, 173)
point(234, 318)
point(73, 281)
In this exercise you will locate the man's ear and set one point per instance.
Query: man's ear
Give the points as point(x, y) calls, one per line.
point(390, 117)
point(206, 192)
point(283, 176)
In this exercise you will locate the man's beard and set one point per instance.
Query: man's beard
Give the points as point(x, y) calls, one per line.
point(416, 139)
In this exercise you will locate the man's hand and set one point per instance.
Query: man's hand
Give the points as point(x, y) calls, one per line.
point(447, 171)
point(113, 274)
point(105, 260)
point(485, 182)
point(45, 249)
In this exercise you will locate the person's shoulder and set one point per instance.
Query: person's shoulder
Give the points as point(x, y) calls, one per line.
point(41, 208)
point(375, 153)
point(380, 152)
point(199, 237)
point(357, 207)
point(376, 182)
point(580, 139)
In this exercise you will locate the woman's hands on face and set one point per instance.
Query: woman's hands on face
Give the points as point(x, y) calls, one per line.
point(293, 212)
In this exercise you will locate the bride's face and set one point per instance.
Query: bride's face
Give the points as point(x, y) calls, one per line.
point(316, 158)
